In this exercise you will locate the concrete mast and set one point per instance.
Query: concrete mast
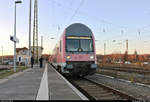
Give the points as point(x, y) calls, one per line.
point(35, 31)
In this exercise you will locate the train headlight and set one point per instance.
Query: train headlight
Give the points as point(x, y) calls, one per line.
point(91, 57)
point(68, 57)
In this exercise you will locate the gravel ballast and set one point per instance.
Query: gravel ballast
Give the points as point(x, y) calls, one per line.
point(133, 89)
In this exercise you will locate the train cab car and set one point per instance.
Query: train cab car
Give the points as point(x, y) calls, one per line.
point(75, 53)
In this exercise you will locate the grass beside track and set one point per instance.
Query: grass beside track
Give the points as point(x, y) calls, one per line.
point(6, 73)
point(127, 76)
point(122, 66)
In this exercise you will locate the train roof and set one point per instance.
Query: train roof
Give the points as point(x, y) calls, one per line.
point(78, 29)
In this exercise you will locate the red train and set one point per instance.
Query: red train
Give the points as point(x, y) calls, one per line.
point(75, 52)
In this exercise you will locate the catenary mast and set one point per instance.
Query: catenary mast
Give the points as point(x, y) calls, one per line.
point(35, 31)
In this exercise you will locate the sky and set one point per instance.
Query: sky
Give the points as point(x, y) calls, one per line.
point(109, 20)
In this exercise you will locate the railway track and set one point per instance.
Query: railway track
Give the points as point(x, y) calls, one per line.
point(95, 91)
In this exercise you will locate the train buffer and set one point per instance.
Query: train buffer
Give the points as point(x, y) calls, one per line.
point(38, 84)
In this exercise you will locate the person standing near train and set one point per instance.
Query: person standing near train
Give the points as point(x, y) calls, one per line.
point(32, 61)
point(41, 62)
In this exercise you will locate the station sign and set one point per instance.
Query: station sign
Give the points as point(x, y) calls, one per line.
point(14, 39)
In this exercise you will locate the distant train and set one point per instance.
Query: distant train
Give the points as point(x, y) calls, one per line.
point(75, 52)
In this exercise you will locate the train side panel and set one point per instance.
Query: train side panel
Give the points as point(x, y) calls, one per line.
point(94, 49)
point(58, 56)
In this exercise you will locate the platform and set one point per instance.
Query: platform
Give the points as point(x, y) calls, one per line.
point(23, 86)
point(60, 88)
point(38, 84)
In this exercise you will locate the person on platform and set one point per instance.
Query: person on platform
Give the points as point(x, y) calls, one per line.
point(32, 61)
point(41, 62)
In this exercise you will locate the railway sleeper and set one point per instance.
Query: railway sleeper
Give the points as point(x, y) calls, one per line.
point(91, 86)
point(93, 89)
point(86, 84)
point(107, 97)
point(96, 92)
point(106, 94)
point(103, 92)
point(99, 91)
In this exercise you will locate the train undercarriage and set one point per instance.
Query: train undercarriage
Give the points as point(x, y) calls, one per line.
point(80, 68)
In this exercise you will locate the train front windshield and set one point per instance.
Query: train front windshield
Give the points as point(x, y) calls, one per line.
point(79, 45)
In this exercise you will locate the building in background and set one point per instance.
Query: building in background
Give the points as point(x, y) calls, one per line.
point(22, 55)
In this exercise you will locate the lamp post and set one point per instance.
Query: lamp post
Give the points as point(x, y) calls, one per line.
point(104, 60)
point(16, 2)
point(104, 49)
point(30, 11)
point(52, 38)
point(120, 53)
point(120, 44)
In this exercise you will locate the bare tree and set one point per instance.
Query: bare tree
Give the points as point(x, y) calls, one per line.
point(125, 58)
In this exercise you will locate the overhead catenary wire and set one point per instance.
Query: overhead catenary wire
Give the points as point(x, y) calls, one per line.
point(76, 11)
point(69, 8)
point(123, 29)
point(87, 15)
point(102, 20)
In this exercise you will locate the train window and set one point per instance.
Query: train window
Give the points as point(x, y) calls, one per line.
point(76, 45)
point(86, 45)
point(72, 45)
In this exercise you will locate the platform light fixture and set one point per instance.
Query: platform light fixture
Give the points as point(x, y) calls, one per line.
point(18, 1)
